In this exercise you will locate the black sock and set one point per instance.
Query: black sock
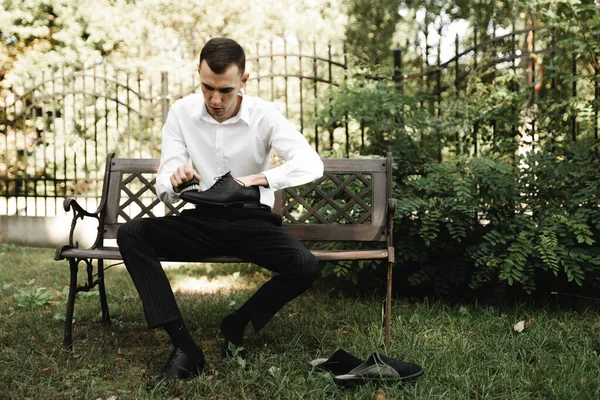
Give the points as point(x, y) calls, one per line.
point(233, 327)
point(181, 338)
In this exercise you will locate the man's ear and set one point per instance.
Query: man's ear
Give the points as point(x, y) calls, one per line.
point(245, 78)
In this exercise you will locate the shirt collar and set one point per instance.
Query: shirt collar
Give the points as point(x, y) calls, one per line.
point(243, 113)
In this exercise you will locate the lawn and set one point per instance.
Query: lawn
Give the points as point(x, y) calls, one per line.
point(467, 350)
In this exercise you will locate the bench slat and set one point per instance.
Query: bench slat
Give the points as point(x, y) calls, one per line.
point(367, 165)
point(335, 232)
point(112, 253)
point(137, 165)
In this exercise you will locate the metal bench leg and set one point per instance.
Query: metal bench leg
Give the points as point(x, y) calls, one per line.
point(68, 335)
point(101, 289)
point(388, 307)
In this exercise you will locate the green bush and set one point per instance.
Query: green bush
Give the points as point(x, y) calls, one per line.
point(480, 221)
point(497, 180)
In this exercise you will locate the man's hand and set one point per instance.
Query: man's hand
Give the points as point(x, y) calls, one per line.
point(183, 174)
point(253, 180)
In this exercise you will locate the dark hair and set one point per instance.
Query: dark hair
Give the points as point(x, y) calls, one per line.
point(220, 53)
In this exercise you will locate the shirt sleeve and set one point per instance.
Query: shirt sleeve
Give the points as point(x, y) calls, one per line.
point(173, 155)
point(302, 163)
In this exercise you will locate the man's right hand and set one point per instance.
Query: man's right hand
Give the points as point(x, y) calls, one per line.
point(183, 174)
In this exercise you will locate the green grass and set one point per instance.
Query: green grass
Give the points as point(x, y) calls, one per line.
point(468, 351)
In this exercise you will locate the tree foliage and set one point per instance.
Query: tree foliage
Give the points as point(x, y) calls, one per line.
point(146, 33)
point(371, 27)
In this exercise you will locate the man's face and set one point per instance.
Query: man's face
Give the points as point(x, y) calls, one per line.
point(220, 90)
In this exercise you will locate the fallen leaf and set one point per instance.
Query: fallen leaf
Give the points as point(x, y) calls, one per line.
point(519, 326)
point(43, 370)
point(274, 371)
point(529, 322)
point(210, 377)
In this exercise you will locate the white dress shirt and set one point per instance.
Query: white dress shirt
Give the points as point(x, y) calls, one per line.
point(241, 144)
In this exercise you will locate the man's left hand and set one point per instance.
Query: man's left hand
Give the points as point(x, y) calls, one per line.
point(253, 180)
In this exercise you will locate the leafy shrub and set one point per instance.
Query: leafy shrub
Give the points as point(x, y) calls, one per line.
point(472, 211)
point(479, 221)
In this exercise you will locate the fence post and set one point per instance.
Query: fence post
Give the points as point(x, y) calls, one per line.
point(398, 80)
point(398, 69)
point(574, 94)
point(164, 96)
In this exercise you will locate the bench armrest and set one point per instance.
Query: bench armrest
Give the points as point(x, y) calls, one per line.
point(79, 213)
point(389, 215)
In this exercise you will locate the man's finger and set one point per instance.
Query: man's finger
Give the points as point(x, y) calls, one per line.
point(174, 182)
point(189, 169)
point(182, 175)
point(189, 173)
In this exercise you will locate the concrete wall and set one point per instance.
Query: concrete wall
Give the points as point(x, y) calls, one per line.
point(45, 231)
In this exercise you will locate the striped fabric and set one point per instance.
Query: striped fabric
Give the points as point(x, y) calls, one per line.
point(254, 237)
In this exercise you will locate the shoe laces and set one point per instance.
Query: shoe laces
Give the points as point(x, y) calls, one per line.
point(220, 179)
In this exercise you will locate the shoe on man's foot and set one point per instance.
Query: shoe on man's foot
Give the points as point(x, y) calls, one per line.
point(232, 328)
point(226, 191)
point(180, 366)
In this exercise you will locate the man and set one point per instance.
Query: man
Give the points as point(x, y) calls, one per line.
point(228, 136)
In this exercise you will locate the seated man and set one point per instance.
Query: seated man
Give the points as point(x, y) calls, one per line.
point(229, 137)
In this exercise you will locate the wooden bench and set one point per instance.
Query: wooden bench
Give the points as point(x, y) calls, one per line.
point(351, 203)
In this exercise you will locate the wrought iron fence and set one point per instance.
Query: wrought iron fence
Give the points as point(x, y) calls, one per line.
point(517, 54)
point(57, 128)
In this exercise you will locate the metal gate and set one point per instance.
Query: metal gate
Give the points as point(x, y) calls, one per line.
point(56, 128)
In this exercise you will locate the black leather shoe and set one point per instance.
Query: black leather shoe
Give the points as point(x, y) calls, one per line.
point(225, 192)
point(232, 329)
point(180, 366)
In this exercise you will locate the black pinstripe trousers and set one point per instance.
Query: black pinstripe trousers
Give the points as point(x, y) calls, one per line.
point(253, 235)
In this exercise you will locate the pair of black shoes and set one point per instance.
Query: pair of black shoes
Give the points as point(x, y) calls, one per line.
point(226, 192)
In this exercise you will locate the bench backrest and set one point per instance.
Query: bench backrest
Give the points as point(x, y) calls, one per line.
point(348, 203)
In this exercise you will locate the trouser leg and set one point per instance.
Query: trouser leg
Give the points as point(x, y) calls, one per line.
point(270, 247)
point(143, 241)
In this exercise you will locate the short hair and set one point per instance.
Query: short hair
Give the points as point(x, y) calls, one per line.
point(220, 53)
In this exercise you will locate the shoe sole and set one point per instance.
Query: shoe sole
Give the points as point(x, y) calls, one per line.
point(214, 203)
point(362, 378)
